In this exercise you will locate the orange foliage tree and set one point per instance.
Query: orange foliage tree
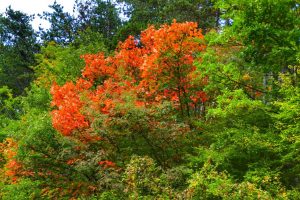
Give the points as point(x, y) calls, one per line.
point(142, 73)
point(118, 100)
point(157, 67)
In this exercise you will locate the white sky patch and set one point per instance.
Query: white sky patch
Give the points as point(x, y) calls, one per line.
point(35, 7)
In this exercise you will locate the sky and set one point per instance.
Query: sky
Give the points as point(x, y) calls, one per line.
point(35, 7)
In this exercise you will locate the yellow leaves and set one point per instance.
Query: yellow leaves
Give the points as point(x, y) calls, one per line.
point(9, 148)
point(246, 77)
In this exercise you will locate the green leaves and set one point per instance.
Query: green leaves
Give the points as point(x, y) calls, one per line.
point(268, 30)
point(18, 44)
point(241, 141)
point(61, 64)
point(25, 189)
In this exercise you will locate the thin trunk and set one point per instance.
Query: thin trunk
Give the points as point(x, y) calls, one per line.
point(265, 80)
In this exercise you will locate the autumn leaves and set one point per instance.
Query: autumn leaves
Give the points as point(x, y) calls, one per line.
point(158, 67)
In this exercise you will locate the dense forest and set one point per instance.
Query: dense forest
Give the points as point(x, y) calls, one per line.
point(158, 99)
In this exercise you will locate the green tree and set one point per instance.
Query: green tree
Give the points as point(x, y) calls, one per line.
point(268, 30)
point(56, 63)
point(62, 25)
point(288, 126)
point(142, 13)
point(99, 16)
point(92, 15)
point(18, 44)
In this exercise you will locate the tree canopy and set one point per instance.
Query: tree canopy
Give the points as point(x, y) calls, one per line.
point(151, 99)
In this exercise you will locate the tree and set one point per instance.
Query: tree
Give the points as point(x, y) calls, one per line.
point(161, 69)
point(170, 114)
point(143, 13)
point(56, 63)
point(240, 141)
point(287, 125)
point(18, 45)
point(269, 31)
point(62, 25)
point(93, 15)
point(99, 16)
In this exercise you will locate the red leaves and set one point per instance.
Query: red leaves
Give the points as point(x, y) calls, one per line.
point(97, 66)
point(67, 99)
point(107, 164)
point(168, 60)
point(199, 96)
point(159, 68)
point(12, 169)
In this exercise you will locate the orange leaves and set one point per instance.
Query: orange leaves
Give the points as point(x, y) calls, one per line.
point(128, 58)
point(108, 95)
point(67, 99)
point(8, 148)
point(82, 85)
point(12, 167)
point(199, 96)
point(107, 164)
point(97, 66)
point(168, 61)
point(156, 68)
point(175, 37)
